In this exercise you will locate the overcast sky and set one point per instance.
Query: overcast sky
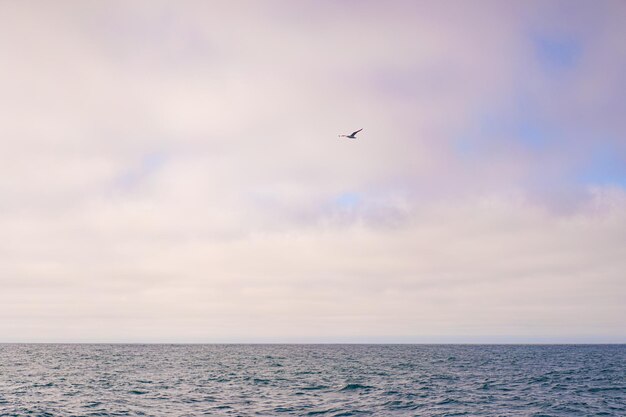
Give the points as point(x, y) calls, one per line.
point(171, 171)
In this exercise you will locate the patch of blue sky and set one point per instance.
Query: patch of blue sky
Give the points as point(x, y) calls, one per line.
point(147, 165)
point(605, 166)
point(525, 127)
point(557, 52)
point(347, 200)
point(533, 133)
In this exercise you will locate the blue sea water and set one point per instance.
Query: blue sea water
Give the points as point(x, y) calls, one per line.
point(312, 380)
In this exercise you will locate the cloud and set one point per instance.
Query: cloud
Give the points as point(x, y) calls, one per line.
point(173, 173)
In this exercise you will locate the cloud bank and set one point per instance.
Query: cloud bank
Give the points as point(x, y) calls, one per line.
point(172, 172)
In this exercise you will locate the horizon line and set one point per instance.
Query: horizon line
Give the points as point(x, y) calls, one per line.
point(322, 343)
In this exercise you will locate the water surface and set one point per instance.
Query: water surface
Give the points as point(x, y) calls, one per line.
point(322, 380)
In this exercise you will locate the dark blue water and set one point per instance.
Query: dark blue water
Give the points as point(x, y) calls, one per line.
point(333, 380)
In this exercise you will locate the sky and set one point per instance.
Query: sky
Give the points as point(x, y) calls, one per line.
point(172, 172)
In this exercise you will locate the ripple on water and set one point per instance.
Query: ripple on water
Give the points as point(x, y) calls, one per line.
point(242, 380)
point(354, 387)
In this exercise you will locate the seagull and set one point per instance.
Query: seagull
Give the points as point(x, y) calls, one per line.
point(351, 135)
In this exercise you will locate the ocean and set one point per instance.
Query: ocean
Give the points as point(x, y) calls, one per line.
point(312, 380)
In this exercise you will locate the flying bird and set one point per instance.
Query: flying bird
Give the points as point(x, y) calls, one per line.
point(351, 135)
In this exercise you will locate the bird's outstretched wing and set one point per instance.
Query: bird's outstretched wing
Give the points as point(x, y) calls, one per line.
point(354, 133)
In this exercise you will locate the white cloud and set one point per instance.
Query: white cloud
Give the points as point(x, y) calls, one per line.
point(173, 173)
